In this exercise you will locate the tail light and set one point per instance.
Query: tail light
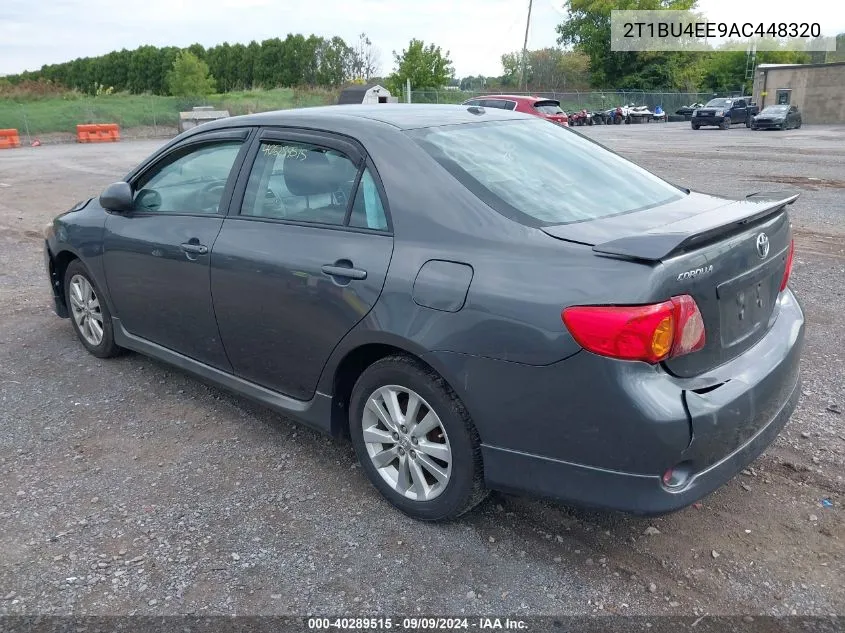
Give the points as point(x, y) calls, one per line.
point(788, 271)
point(650, 333)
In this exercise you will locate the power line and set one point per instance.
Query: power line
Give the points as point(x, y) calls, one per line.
point(525, 45)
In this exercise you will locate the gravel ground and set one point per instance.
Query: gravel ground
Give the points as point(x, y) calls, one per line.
point(127, 487)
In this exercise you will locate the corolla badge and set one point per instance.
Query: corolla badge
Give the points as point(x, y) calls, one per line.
point(763, 245)
point(695, 272)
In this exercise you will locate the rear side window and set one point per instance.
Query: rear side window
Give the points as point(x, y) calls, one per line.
point(542, 174)
point(368, 211)
point(301, 182)
point(548, 107)
point(494, 103)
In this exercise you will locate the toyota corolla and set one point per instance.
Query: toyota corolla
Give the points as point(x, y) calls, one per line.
point(479, 299)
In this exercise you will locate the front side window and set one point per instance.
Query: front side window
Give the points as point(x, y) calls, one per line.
point(192, 183)
point(542, 174)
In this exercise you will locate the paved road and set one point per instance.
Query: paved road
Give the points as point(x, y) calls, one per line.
point(129, 487)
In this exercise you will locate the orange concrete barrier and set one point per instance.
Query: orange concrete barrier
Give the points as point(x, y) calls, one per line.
point(97, 133)
point(9, 138)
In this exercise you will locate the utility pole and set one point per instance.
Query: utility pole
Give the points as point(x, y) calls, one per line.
point(525, 46)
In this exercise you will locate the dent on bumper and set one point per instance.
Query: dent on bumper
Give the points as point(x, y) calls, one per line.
point(601, 433)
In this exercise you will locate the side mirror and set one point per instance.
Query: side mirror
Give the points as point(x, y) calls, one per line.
point(117, 197)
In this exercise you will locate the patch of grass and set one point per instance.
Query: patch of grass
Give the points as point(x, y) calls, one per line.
point(63, 113)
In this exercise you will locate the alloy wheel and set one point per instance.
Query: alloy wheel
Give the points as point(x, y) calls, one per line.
point(407, 443)
point(85, 306)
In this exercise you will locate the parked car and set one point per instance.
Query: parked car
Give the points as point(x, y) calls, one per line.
point(545, 108)
point(479, 299)
point(723, 112)
point(778, 117)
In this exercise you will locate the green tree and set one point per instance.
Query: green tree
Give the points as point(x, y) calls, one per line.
point(426, 67)
point(587, 29)
point(189, 76)
point(547, 69)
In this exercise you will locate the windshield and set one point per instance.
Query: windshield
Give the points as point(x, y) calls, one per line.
point(548, 107)
point(541, 174)
point(778, 109)
point(719, 103)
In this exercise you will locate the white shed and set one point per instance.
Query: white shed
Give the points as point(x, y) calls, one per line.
point(370, 93)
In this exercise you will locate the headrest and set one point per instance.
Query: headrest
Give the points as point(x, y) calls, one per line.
point(310, 173)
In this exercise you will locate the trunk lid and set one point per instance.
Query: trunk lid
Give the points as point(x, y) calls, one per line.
point(729, 255)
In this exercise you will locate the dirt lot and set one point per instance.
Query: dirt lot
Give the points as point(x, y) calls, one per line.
point(128, 487)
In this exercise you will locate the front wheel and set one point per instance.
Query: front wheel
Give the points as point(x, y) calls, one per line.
point(695, 126)
point(89, 313)
point(415, 440)
point(748, 123)
point(726, 124)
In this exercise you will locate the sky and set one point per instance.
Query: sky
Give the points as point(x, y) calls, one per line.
point(475, 32)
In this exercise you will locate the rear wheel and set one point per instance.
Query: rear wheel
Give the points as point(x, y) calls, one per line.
point(748, 123)
point(415, 440)
point(88, 311)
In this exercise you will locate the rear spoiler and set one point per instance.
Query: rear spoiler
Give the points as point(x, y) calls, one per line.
point(661, 242)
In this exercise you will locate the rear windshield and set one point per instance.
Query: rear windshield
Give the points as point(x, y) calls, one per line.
point(719, 103)
point(539, 173)
point(548, 107)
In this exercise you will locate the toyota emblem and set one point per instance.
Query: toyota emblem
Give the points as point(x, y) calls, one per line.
point(763, 245)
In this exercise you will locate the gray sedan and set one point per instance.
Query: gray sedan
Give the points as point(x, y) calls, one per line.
point(777, 117)
point(479, 299)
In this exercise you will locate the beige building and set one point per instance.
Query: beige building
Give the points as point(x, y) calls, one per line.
point(817, 89)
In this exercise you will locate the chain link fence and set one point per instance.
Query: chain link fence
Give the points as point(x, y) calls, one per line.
point(572, 101)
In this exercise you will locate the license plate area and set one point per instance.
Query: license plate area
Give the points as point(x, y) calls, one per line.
point(746, 304)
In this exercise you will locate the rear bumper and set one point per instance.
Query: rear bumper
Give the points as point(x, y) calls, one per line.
point(601, 433)
point(629, 492)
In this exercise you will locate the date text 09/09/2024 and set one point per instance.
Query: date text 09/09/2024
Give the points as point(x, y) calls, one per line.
point(705, 30)
point(417, 624)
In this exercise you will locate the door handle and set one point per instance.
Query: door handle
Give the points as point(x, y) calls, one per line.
point(197, 249)
point(344, 271)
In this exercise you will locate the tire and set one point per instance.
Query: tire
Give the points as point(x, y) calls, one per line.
point(86, 304)
point(798, 127)
point(695, 126)
point(748, 123)
point(461, 487)
point(726, 124)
